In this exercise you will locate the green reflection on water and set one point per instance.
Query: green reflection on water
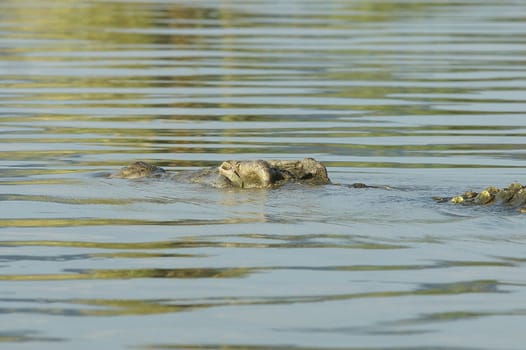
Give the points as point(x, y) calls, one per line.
point(25, 336)
point(481, 286)
point(59, 222)
point(85, 29)
point(221, 346)
point(189, 243)
point(84, 201)
point(119, 307)
point(143, 255)
point(134, 273)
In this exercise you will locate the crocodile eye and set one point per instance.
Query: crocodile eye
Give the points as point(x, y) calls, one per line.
point(229, 165)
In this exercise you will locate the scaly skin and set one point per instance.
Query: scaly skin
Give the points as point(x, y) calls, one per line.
point(273, 173)
point(139, 170)
point(513, 196)
point(241, 174)
point(249, 174)
point(307, 170)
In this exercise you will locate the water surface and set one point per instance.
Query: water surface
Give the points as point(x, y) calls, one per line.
point(420, 98)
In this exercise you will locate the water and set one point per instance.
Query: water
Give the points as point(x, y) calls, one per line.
point(426, 97)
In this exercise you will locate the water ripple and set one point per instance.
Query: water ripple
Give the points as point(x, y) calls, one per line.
point(420, 98)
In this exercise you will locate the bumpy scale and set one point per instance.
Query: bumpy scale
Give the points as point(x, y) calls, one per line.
point(514, 196)
point(241, 174)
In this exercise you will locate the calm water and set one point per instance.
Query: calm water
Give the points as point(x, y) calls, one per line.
point(427, 97)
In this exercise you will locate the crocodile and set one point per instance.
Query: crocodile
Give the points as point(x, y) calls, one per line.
point(275, 173)
point(238, 174)
point(513, 196)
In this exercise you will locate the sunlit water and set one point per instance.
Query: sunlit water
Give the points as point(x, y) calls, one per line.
point(425, 97)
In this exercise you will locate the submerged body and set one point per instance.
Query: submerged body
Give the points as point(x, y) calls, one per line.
point(240, 174)
point(513, 196)
point(274, 173)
